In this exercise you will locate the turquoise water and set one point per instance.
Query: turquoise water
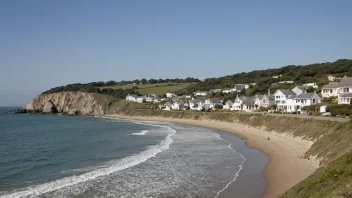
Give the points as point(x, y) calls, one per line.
point(59, 156)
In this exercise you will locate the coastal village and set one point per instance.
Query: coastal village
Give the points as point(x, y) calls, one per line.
point(339, 91)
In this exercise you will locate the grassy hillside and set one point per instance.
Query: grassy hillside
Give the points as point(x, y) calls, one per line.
point(158, 88)
point(317, 72)
point(333, 180)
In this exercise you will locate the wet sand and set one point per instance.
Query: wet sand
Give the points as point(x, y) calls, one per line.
point(285, 168)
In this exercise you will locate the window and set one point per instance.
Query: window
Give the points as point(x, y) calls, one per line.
point(345, 90)
point(313, 101)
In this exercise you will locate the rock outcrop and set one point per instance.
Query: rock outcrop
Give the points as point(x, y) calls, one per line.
point(71, 103)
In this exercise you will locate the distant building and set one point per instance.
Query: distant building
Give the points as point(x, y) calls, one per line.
point(170, 95)
point(287, 82)
point(200, 93)
point(314, 85)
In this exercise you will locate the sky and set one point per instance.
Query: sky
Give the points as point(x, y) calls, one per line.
point(44, 44)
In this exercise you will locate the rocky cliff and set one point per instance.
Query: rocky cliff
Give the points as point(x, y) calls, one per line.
point(72, 103)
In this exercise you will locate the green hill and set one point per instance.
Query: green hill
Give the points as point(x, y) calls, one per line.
point(317, 72)
point(158, 88)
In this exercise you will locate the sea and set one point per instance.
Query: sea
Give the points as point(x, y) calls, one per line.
point(62, 156)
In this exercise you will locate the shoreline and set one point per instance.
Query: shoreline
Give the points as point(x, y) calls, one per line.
point(285, 168)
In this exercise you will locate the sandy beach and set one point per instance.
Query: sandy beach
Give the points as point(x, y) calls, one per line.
point(285, 168)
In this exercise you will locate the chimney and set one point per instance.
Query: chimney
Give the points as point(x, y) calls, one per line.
point(269, 92)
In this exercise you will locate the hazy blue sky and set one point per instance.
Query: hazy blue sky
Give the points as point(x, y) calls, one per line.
point(45, 43)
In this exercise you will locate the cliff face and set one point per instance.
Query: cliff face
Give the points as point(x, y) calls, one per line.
point(70, 103)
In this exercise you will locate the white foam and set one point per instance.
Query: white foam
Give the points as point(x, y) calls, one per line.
point(140, 133)
point(236, 175)
point(117, 165)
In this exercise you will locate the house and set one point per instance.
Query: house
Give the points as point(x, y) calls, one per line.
point(330, 90)
point(345, 91)
point(278, 76)
point(140, 99)
point(167, 106)
point(200, 93)
point(237, 105)
point(149, 98)
point(263, 101)
point(299, 90)
point(239, 87)
point(226, 91)
point(287, 82)
point(331, 78)
point(170, 95)
point(213, 102)
point(214, 90)
point(177, 105)
point(305, 99)
point(228, 105)
point(197, 104)
point(131, 97)
point(248, 104)
point(314, 85)
point(284, 99)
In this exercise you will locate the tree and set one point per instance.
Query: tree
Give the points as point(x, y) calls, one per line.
point(144, 81)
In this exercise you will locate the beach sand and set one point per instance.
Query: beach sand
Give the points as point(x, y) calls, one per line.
point(285, 168)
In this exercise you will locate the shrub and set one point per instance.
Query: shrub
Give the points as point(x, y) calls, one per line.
point(313, 108)
point(218, 106)
point(262, 109)
point(344, 109)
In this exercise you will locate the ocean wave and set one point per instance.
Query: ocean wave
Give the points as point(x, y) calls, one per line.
point(236, 174)
point(115, 166)
point(140, 133)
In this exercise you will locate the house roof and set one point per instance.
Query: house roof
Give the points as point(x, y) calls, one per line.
point(249, 102)
point(287, 92)
point(331, 85)
point(346, 95)
point(239, 87)
point(216, 101)
point(346, 82)
point(306, 95)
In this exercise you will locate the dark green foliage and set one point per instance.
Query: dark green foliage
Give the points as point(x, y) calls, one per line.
point(312, 108)
point(300, 74)
point(343, 109)
point(332, 99)
point(118, 93)
point(218, 106)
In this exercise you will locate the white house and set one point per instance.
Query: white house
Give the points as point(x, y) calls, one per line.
point(305, 99)
point(287, 82)
point(284, 99)
point(228, 105)
point(149, 98)
point(277, 76)
point(331, 78)
point(313, 84)
point(200, 93)
point(237, 105)
point(140, 99)
point(345, 91)
point(330, 90)
point(131, 97)
point(226, 91)
point(170, 95)
point(177, 105)
point(167, 106)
